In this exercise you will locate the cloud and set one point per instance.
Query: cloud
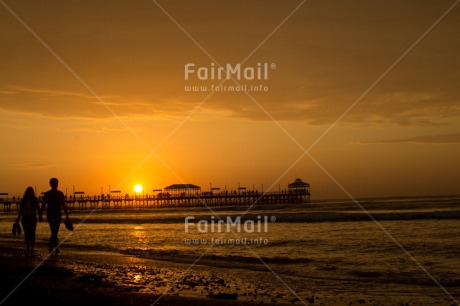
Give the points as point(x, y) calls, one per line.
point(403, 108)
point(426, 139)
point(135, 63)
point(104, 130)
point(63, 104)
point(48, 92)
point(389, 108)
point(295, 102)
point(33, 165)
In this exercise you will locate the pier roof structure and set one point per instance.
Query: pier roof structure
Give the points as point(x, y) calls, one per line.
point(182, 188)
point(298, 184)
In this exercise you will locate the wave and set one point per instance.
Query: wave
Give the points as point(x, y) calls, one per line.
point(379, 216)
point(181, 256)
point(211, 259)
point(399, 199)
point(406, 278)
point(287, 217)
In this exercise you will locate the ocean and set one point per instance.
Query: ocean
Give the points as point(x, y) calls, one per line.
point(399, 249)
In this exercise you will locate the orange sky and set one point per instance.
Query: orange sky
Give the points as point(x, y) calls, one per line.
point(94, 94)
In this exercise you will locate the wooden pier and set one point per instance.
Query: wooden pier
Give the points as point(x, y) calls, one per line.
point(167, 200)
point(181, 195)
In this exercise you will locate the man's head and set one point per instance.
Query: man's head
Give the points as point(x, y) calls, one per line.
point(54, 183)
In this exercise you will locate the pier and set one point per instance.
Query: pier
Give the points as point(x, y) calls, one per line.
point(179, 195)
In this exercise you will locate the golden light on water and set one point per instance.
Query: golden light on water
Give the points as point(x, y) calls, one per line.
point(138, 188)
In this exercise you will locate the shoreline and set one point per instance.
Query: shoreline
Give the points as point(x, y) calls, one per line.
point(108, 279)
point(54, 283)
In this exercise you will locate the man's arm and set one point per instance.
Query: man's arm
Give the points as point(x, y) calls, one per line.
point(64, 206)
point(65, 210)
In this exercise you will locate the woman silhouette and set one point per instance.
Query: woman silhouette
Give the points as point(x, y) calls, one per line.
point(28, 209)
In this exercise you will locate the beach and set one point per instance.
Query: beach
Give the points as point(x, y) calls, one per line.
point(328, 253)
point(58, 281)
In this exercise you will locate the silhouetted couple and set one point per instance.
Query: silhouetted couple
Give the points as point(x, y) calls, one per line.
point(53, 204)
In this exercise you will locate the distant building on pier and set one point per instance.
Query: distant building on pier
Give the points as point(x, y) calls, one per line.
point(299, 186)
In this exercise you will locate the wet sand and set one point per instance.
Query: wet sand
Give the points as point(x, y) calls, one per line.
point(58, 281)
point(75, 278)
point(106, 279)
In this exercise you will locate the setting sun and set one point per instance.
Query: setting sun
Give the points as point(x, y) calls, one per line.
point(138, 188)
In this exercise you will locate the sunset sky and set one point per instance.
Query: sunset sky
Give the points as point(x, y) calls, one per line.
point(93, 93)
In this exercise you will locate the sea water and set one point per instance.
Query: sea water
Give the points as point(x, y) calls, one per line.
point(396, 241)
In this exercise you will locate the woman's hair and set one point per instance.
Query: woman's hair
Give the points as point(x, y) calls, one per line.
point(29, 193)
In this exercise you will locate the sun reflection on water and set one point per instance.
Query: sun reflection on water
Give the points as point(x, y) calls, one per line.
point(140, 235)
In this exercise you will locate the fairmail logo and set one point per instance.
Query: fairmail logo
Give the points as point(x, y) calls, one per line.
point(228, 224)
point(259, 72)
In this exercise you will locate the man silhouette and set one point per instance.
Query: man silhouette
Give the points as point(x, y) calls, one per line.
point(53, 203)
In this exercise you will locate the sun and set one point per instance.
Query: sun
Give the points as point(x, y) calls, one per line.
point(138, 188)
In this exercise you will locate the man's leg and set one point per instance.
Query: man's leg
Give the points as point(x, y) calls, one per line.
point(54, 227)
point(56, 242)
point(50, 248)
